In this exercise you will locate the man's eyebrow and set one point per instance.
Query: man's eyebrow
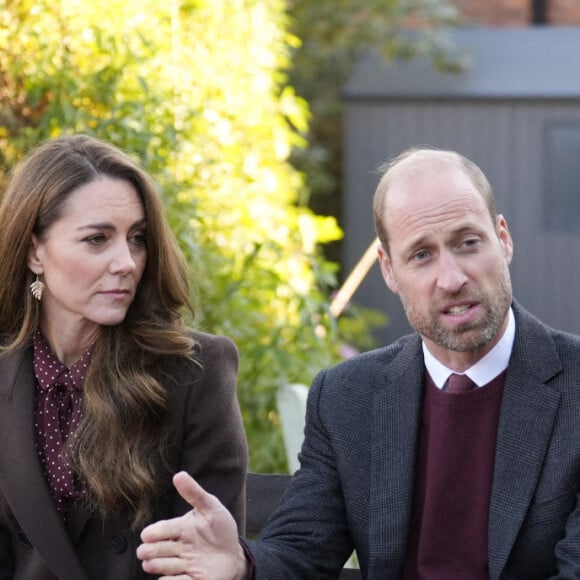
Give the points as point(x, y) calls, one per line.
point(424, 239)
point(464, 228)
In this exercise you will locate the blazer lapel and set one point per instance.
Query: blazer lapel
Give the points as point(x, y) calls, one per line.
point(526, 420)
point(21, 477)
point(397, 407)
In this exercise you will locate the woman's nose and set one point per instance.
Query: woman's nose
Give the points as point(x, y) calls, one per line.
point(122, 262)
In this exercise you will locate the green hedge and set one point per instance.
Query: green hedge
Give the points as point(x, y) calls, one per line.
point(197, 91)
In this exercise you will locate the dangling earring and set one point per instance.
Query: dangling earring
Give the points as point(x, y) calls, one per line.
point(37, 288)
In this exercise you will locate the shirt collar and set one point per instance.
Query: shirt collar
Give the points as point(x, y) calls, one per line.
point(50, 371)
point(485, 369)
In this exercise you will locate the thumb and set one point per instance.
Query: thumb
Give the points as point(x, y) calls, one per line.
point(194, 494)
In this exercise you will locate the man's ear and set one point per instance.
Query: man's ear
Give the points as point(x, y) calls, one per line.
point(505, 238)
point(35, 256)
point(387, 270)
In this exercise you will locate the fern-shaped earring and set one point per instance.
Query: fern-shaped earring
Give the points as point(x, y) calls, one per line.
point(37, 288)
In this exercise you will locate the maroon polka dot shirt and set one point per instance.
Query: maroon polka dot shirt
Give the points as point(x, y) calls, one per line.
point(57, 414)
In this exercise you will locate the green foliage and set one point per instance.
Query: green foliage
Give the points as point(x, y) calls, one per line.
point(334, 34)
point(196, 90)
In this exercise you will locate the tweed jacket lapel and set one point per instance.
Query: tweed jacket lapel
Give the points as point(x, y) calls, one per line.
point(21, 478)
point(527, 416)
point(397, 406)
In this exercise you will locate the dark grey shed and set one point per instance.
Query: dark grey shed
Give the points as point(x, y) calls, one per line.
point(516, 113)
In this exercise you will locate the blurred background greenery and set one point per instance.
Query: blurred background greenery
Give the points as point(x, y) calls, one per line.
point(234, 107)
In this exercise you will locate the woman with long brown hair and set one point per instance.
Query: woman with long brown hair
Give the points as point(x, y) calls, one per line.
point(104, 392)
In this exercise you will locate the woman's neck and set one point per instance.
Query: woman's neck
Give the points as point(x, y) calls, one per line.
point(69, 345)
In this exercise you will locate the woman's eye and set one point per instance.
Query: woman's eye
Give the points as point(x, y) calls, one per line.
point(96, 240)
point(139, 238)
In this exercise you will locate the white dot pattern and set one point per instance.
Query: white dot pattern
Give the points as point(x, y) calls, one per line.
point(58, 411)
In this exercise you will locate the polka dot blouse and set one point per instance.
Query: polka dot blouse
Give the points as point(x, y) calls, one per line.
point(58, 411)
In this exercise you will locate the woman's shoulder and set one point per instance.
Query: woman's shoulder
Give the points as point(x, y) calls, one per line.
point(214, 361)
point(212, 345)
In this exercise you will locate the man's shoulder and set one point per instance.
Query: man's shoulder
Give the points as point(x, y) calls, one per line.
point(380, 358)
point(544, 350)
point(354, 382)
point(531, 329)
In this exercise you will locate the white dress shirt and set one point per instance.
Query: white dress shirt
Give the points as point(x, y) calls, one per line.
point(485, 369)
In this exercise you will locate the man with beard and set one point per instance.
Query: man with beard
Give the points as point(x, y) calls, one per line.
point(452, 454)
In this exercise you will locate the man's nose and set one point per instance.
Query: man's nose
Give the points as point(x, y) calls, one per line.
point(450, 274)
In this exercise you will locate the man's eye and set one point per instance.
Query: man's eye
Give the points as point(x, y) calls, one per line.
point(421, 256)
point(471, 242)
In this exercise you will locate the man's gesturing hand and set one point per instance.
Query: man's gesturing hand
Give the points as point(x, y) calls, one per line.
point(203, 543)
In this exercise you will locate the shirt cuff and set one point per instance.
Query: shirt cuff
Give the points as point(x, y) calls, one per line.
point(249, 560)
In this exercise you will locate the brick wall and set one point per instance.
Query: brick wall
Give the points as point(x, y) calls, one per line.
point(516, 12)
point(564, 12)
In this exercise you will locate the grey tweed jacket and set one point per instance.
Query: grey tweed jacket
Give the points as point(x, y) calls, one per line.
point(355, 485)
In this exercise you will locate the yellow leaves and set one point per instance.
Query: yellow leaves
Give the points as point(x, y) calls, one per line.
point(327, 229)
point(294, 108)
point(197, 90)
point(317, 230)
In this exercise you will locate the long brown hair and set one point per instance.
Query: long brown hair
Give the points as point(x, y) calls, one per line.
point(118, 450)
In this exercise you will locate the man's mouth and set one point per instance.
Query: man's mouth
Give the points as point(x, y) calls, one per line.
point(458, 309)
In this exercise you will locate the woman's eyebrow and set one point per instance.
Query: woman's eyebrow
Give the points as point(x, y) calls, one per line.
point(109, 226)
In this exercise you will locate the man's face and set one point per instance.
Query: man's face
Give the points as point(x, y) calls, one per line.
point(448, 261)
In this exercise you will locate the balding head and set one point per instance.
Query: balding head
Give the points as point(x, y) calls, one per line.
point(416, 161)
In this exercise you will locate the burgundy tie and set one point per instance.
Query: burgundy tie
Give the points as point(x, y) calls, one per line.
point(459, 384)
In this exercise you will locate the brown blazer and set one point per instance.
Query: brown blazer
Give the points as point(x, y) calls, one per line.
point(209, 442)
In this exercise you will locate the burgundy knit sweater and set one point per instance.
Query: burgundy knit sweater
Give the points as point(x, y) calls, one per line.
point(454, 469)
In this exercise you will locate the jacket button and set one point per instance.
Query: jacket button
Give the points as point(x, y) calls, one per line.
point(119, 544)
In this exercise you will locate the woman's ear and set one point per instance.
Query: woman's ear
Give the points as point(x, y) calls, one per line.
point(35, 256)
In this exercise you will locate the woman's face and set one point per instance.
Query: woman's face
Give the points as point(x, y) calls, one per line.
point(92, 258)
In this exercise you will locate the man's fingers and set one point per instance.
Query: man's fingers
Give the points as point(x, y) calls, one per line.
point(201, 543)
point(159, 549)
point(170, 567)
point(163, 530)
point(202, 502)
